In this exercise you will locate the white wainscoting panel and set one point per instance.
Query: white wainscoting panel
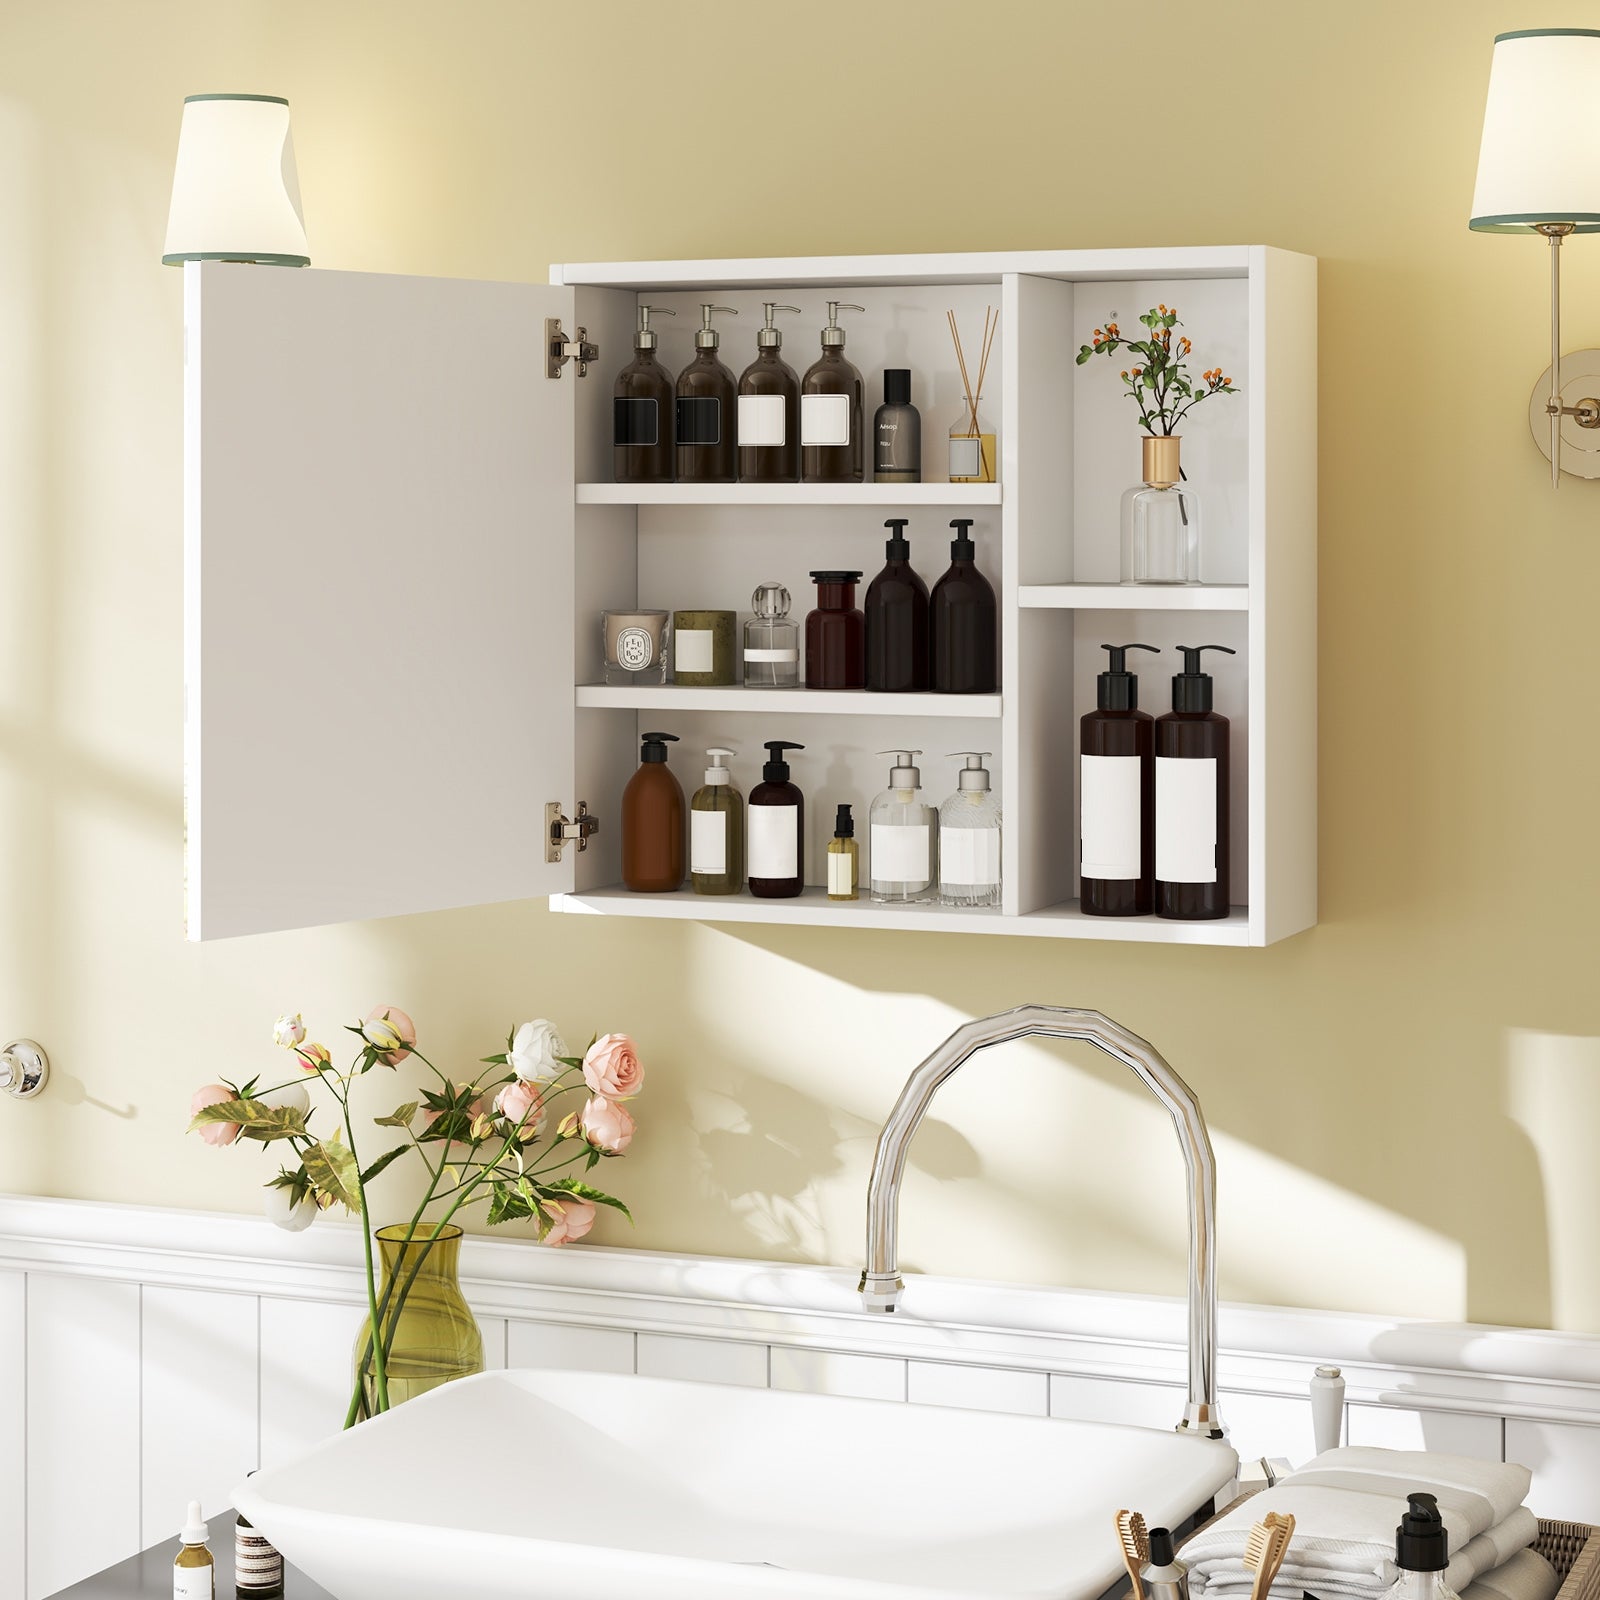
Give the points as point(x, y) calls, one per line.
point(938, 1383)
point(1142, 1405)
point(664, 1355)
point(125, 1315)
point(13, 1433)
point(307, 1352)
point(83, 1428)
point(1566, 1467)
point(200, 1381)
point(1457, 1433)
point(545, 1344)
point(834, 1372)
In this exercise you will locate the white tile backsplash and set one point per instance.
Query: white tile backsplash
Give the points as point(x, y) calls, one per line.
point(939, 1383)
point(666, 1355)
point(835, 1372)
point(1565, 1461)
point(559, 1344)
point(1457, 1433)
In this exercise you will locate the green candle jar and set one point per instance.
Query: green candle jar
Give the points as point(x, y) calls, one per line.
point(703, 648)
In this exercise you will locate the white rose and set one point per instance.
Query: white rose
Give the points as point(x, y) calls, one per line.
point(289, 1031)
point(535, 1049)
point(291, 1095)
point(282, 1213)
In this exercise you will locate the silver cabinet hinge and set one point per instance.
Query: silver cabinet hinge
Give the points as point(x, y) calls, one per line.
point(559, 350)
point(559, 832)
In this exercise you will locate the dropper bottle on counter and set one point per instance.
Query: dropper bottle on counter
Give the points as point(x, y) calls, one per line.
point(194, 1569)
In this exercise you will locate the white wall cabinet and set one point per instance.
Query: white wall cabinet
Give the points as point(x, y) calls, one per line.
point(400, 534)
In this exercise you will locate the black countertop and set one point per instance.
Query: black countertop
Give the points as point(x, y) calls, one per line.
point(148, 1576)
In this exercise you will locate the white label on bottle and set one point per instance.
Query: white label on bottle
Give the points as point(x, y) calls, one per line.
point(841, 876)
point(969, 856)
point(824, 419)
point(194, 1583)
point(692, 649)
point(966, 459)
point(774, 833)
point(772, 655)
point(1112, 823)
point(761, 419)
point(901, 853)
point(1186, 819)
point(708, 842)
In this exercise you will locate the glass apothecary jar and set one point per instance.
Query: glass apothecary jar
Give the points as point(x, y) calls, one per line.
point(836, 634)
point(771, 641)
point(1161, 520)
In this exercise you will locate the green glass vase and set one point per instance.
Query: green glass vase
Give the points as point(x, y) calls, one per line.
point(433, 1336)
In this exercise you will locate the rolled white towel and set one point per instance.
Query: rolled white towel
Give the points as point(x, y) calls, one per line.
point(1310, 1573)
point(1526, 1576)
point(1347, 1503)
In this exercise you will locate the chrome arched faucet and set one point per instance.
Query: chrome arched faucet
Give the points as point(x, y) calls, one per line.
point(881, 1285)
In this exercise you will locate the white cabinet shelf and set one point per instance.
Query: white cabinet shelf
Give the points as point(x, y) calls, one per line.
point(669, 698)
point(889, 496)
point(391, 447)
point(1131, 597)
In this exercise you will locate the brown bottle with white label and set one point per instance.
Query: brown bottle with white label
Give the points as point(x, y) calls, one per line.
point(831, 409)
point(1191, 743)
point(769, 409)
point(1116, 795)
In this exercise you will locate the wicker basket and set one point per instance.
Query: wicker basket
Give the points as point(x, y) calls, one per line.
point(1572, 1548)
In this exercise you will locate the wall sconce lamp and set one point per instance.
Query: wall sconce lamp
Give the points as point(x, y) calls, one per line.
point(24, 1069)
point(235, 192)
point(1539, 172)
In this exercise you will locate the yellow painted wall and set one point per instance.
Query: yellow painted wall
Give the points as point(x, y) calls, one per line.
point(1405, 1100)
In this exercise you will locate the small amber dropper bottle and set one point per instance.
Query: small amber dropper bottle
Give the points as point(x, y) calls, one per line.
point(194, 1571)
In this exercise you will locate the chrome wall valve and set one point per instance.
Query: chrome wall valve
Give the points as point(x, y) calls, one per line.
point(24, 1069)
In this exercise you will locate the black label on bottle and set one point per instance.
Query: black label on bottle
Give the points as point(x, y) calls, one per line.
point(635, 422)
point(699, 420)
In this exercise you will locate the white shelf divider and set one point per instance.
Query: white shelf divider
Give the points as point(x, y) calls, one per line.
point(813, 909)
point(672, 697)
point(888, 495)
point(1134, 597)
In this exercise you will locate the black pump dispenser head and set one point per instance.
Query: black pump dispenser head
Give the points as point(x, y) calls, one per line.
point(1117, 689)
point(898, 547)
point(655, 746)
point(962, 547)
point(1421, 1543)
point(777, 769)
point(1191, 688)
point(844, 825)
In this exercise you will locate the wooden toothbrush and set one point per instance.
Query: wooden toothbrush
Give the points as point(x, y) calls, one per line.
point(1135, 1547)
point(1265, 1549)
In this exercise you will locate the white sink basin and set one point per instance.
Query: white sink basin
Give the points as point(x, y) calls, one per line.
point(588, 1486)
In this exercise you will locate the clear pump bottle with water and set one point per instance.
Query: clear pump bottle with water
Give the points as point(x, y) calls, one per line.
point(1421, 1552)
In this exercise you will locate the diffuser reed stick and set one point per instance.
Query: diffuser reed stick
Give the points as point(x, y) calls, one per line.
point(974, 393)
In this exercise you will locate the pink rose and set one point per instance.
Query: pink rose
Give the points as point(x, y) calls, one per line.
point(570, 1218)
point(522, 1105)
point(314, 1057)
point(390, 1032)
point(217, 1133)
point(606, 1126)
point(611, 1068)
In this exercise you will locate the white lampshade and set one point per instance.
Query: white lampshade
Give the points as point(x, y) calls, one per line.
point(235, 193)
point(1539, 160)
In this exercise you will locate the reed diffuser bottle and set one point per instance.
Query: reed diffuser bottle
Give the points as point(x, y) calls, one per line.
point(972, 441)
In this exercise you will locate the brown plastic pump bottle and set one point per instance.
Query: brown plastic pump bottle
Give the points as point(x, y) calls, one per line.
point(652, 822)
point(769, 409)
point(962, 624)
point(897, 620)
point(775, 829)
point(1191, 743)
point(1116, 786)
point(641, 409)
point(831, 407)
point(705, 419)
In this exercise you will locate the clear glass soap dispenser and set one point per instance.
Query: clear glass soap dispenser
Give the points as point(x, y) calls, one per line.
point(969, 837)
point(904, 836)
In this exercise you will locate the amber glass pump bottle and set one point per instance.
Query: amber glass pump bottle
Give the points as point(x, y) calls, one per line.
point(1191, 744)
point(962, 623)
point(775, 819)
point(769, 409)
point(897, 620)
point(1116, 784)
point(707, 407)
point(652, 822)
point(641, 409)
point(831, 409)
